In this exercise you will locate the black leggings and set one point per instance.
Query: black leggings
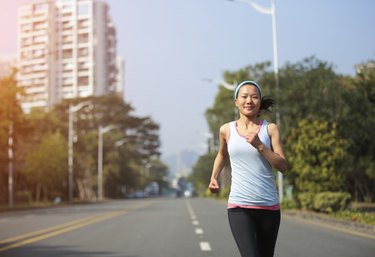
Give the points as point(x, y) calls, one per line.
point(255, 231)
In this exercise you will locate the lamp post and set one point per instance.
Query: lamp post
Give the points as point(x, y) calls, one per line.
point(147, 169)
point(101, 132)
point(271, 11)
point(72, 110)
point(10, 166)
point(119, 143)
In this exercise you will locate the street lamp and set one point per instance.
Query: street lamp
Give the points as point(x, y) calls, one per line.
point(101, 131)
point(271, 11)
point(226, 85)
point(121, 142)
point(72, 110)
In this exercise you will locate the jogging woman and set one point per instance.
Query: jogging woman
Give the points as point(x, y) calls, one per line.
point(254, 147)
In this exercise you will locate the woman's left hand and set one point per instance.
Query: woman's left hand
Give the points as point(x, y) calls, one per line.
point(253, 139)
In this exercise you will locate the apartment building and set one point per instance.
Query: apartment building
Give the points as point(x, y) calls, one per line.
point(66, 49)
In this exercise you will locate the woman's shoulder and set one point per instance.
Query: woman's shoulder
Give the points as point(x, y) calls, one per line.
point(224, 129)
point(272, 128)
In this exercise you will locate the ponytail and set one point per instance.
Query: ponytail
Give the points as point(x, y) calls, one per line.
point(267, 103)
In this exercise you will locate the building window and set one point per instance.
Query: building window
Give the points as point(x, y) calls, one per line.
point(40, 7)
point(83, 66)
point(83, 24)
point(83, 81)
point(83, 38)
point(26, 27)
point(67, 54)
point(26, 42)
point(83, 52)
point(67, 7)
point(40, 25)
point(83, 9)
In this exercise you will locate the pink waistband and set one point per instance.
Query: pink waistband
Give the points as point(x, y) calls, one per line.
point(275, 207)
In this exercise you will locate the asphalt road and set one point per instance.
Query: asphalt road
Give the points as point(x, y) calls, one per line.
point(160, 227)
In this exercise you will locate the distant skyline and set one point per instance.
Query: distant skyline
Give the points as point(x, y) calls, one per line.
point(169, 46)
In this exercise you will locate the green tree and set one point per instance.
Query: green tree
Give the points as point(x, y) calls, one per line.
point(11, 117)
point(158, 172)
point(358, 128)
point(141, 134)
point(47, 172)
point(85, 165)
point(202, 170)
point(35, 126)
point(316, 158)
point(309, 89)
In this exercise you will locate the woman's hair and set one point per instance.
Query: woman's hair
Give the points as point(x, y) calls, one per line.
point(266, 103)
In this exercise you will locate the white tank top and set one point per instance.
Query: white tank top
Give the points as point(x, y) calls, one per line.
point(252, 177)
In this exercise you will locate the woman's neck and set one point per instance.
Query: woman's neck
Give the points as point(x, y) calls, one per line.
point(248, 122)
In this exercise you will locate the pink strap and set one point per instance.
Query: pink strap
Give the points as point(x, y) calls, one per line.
point(260, 125)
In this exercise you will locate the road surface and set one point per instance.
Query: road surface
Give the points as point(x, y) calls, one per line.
point(158, 227)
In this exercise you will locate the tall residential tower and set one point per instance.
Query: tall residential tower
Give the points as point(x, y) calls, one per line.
point(66, 49)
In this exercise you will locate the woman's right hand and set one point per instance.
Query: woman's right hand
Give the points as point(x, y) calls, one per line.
point(214, 186)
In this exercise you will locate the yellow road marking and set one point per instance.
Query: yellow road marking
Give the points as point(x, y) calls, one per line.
point(42, 234)
point(46, 230)
point(62, 230)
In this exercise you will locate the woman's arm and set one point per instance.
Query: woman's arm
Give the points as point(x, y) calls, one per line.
point(220, 159)
point(274, 156)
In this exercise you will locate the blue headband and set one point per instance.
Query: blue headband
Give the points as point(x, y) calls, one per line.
point(247, 82)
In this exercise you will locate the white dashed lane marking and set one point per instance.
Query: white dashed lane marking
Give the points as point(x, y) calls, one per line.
point(205, 246)
point(191, 211)
point(199, 231)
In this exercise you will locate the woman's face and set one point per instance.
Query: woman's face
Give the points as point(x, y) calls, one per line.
point(248, 100)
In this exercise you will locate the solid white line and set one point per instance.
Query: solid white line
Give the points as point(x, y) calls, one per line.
point(205, 246)
point(198, 231)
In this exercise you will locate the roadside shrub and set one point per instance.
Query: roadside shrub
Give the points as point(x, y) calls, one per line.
point(329, 202)
point(24, 196)
point(207, 193)
point(288, 204)
point(306, 200)
point(224, 193)
point(355, 216)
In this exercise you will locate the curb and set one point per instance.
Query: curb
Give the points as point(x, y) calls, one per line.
point(324, 218)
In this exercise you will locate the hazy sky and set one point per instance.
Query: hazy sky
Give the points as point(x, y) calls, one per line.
point(170, 45)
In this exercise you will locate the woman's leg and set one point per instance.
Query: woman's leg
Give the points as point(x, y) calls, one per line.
point(267, 228)
point(243, 229)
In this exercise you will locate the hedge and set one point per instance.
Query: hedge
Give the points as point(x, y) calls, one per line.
point(327, 202)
